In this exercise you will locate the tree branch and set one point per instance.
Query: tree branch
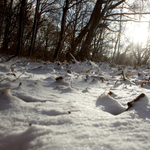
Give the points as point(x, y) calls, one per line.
point(115, 5)
point(126, 20)
point(127, 14)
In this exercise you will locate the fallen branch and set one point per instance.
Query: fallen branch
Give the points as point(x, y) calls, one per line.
point(130, 104)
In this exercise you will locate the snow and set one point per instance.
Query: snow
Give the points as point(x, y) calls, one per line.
point(110, 105)
point(46, 105)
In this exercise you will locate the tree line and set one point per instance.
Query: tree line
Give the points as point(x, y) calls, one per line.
point(59, 29)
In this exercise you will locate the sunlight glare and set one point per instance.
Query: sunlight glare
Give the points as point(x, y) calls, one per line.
point(140, 34)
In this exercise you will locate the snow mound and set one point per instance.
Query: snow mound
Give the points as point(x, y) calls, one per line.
point(4, 68)
point(48, 79)
point(86, 90)
point(59, 82)
point(64, 89)
point(110, 105)
point(142, 108)
point(7, 99)
point(54, 112)
point(27, 98)
point(28, 139)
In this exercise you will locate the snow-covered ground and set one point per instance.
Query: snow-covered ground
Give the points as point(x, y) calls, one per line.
point(56, 106)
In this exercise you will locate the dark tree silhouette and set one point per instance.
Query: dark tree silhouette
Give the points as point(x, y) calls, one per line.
point(62, 32)
point(21, 24)
point(35, 27)
point(8, 10)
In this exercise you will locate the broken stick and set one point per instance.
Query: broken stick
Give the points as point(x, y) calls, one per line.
point(130, 104)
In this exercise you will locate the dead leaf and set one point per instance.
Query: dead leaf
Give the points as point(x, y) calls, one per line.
point(129, 74)
point(119, 74)
point(69, 112)
point(110, 93)
point(93, 80)
point(69, 71)
point(58, 78)
point(142, 84)
point(20, 83)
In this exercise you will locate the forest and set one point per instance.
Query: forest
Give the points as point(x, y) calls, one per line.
point(98, 30)
point(74, 74)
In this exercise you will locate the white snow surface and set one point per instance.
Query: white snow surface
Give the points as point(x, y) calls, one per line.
point(83, 109)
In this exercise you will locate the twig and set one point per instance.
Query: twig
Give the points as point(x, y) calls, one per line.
point(3, 80)
point(74, 58)
point(118, 81)
point(11, 58)
point(123, 75)
point(17, 77)
point(14, 79)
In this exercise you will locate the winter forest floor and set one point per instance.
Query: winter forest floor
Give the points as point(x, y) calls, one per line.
point(56, 106)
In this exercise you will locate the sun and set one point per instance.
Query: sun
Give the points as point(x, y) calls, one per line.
point(140, 34)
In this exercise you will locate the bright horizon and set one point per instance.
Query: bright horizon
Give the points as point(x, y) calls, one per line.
point(139, 32)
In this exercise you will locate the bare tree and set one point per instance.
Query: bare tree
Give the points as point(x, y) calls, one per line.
point(21, 24)
point(67, 5)
point(62, 32)
point(8, 10)
point(2, 16)
point(34, 29)
point(42, 7)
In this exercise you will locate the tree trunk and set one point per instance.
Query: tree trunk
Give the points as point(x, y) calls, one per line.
point(34, 30)
point(62, 32)
point(100, 9)
point(2, 16)
point(84, 53)
point(90, 29)
point(79, 38)
point(7, 26)
point(98, 43)
point(22, 9)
